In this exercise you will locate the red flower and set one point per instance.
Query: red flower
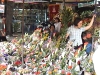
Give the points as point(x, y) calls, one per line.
point(17, 63)
point(68, 73)
point(78, 62)
point(37, 73)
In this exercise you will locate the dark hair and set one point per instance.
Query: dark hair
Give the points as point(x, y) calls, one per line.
point(57, 19)
point(77, 20)
point(52, 25)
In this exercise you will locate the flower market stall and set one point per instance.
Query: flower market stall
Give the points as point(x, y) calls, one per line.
point(43, 56)
point(38, 54)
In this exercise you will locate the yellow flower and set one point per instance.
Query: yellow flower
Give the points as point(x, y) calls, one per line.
point(85, 44)
point(90, 60)
point(55, 70)
point(49, 72)
point(76, 54)
point(40, 53)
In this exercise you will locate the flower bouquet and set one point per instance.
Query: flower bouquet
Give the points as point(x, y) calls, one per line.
point(38, 54)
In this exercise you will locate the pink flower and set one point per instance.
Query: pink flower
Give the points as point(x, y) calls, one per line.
point(63, 72)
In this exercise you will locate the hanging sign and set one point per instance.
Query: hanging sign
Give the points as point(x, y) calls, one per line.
point(2, 8)
point(86, 4)
point(53, 10)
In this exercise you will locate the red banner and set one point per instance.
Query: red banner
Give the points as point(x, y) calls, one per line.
point(53, 10)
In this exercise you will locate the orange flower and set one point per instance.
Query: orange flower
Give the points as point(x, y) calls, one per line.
point(2, 67)
point(69, 67)
point(76, 53)
point(40, 66)
point(8, 73)
point(33, 66)
point(44, 65)
point(49, 72)
point(56, 69)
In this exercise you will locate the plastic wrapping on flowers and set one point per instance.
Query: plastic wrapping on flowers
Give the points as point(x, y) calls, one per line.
point(42, 56)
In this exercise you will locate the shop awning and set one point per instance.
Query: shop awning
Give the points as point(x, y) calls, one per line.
point(71, 1)
point(28, 1)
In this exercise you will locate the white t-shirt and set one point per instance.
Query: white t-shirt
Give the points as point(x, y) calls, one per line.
point(75, 35)
point(57, 26)
point(96, 60)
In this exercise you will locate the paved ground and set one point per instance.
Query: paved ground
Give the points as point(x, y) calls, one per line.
point(9, 38)
point(18, 35)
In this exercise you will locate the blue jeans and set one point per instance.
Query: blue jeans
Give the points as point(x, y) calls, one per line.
point(88, 48)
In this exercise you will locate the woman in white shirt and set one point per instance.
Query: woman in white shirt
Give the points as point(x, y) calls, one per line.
point(74, 32)
point(57, 24)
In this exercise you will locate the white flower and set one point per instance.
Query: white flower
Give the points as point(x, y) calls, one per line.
point(77, 68)
point(63, 54)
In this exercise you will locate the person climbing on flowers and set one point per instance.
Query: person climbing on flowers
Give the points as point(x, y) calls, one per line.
point(74, 32)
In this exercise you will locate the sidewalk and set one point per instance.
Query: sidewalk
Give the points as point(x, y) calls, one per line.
point(14, 35)
point(18, 35)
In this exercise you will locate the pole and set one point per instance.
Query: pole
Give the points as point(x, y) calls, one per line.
point(23, 33)
point(94, 22)
point(95, 6)
point(63, 3)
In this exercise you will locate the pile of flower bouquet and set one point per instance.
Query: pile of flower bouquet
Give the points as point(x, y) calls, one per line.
point(37, 54)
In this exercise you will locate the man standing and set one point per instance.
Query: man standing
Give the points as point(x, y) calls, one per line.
point(2, 31)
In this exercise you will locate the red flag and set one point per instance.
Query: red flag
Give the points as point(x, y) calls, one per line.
point(53, 10)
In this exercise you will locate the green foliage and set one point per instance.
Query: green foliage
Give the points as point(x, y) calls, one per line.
point(85, 14)
point(15, 26)
point(67, 15)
